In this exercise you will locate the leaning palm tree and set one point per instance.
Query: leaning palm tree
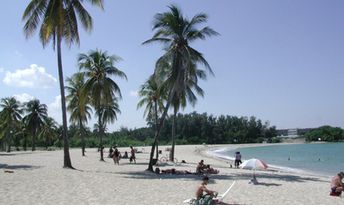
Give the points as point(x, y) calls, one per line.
point(60, 20)
point(78, 104)
point(10, 117)
point(152, 96)
point(98, 68)
point(34, 119)
point(176, 32)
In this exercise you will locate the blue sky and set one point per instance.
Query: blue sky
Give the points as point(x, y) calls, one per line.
point(281, 61)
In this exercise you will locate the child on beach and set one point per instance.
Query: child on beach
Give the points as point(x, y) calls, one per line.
point(337, 186)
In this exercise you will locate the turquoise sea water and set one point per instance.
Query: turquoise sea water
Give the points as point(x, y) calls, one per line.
point(323, 159)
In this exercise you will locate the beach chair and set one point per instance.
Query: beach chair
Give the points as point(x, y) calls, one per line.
point(217, 199)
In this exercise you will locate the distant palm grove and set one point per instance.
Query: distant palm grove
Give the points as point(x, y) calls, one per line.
point(93, 91)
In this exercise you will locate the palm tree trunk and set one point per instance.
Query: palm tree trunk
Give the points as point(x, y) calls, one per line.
point(25, 142)
point(156, 127)
point(101, 139)
point(8, 142)
point(66, 159)
point(173, 134)
point(33, 146)
point(82, 137)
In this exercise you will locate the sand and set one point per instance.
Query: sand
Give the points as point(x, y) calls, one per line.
point(38, 178)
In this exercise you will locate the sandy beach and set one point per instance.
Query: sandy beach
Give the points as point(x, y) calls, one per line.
point(38, 178)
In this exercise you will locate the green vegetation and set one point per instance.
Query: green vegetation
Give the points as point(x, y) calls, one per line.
point(325, 133)
point(98, 68)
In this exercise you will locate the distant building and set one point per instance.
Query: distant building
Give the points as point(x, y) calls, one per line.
point(294, 132)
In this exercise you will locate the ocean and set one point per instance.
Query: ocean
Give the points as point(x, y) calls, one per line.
point(326, 159)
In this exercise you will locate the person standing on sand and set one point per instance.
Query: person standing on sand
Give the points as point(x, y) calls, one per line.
point(237, 161)
point(132, 157)
point(337, 186)
point(116, 156)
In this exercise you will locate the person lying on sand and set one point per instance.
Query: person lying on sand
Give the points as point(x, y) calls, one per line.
point(174, 171)
point(210, 170)
point(337, 186)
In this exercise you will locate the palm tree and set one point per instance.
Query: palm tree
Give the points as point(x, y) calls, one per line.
point(48, 131)
point(186, 94)
point(34, 120)
point(176, 32)
point(98, 68)
point(78, 104)
point(152, 95)
point(59, 21)
point(10, 117)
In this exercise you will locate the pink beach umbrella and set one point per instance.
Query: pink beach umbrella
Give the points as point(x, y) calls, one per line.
point(254, 164)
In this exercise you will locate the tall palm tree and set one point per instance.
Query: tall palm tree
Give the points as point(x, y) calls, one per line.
point(176, 32)
point(186, 94)
point(10, 117)
point(152, 95)
point(78, 104)
point(98, 68)
point(59, 21)
point(49, 131)
point(34, 119)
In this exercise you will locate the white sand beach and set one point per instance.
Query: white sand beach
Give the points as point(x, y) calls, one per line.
point(38, 178)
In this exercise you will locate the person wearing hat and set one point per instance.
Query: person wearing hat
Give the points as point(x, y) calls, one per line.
point(337, 185)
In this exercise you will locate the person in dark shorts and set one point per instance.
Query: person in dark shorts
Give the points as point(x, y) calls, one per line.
point(237, 161)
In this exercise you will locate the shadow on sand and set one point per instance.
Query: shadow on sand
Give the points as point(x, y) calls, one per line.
point(15, 167)
point(279, 177)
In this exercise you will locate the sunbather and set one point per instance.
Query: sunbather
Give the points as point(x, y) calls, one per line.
point(174, 171)
point(200, 167)
point(204, 196)
point(337, 186)
point(210, 170)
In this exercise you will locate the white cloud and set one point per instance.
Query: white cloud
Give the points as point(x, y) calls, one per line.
point(54, 109)
point(133, 93)
point(32, 77)
point(24, 97)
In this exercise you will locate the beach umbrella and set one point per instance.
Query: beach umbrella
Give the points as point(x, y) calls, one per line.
point(254, 164)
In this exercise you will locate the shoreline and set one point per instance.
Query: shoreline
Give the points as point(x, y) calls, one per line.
point(212, 153)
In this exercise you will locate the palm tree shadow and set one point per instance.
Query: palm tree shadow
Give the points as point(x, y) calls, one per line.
point(14, 153)
point(150, 175)
point(267, 184)
point(24, 167)
point(279, 177)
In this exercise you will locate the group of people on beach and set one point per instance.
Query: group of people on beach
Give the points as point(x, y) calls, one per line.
point(116, 155)
point(205, 169)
